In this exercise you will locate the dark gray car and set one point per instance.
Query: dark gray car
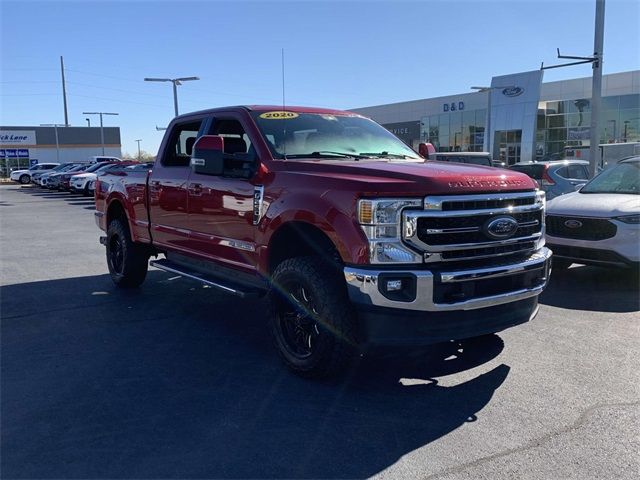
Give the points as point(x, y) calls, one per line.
point(556, 178)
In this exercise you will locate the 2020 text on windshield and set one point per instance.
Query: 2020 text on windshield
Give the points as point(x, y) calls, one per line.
point(293, 135)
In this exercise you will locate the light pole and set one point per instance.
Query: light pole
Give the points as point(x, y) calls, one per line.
point(88, 122)
point(101, 127)
point(139, 140)
point(55, 127)
point(488, 126)
point(175, 82)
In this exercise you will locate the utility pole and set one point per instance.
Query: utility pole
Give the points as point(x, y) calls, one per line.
point(596, 88)
point(139, 140)
point(175, 82)
point(101, 126)
point(55, 126)
point(64, 93)
point(596, 84)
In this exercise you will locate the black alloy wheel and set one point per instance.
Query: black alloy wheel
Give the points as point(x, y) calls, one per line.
point(297, 316)
point(116, 255)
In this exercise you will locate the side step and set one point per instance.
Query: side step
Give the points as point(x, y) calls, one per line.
point(207, 279)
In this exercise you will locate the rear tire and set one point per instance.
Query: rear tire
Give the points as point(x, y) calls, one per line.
point(128, 262)
point(311, 320)
point(24, 179)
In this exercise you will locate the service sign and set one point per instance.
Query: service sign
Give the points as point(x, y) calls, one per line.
point(23, 153)
point(17, 137)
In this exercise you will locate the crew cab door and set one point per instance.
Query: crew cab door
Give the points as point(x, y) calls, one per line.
point(221, 206)
point(168, 195)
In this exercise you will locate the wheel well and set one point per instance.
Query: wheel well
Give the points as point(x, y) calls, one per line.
point(298, 239)
point(115, 210)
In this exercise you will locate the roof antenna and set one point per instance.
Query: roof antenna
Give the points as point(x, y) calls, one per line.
point(284, 129)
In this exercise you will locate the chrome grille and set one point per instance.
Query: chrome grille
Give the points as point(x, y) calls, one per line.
point(452, 228)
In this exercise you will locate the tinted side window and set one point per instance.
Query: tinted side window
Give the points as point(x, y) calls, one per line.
point(534, 171)
point(180, 145)
point(563, 172)
point(578, 172)
point(236, 141)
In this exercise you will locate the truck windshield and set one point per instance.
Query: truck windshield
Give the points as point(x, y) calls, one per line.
point(293, 135)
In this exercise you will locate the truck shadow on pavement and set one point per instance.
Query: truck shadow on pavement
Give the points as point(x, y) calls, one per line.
point(176, 381)
point(593, 289)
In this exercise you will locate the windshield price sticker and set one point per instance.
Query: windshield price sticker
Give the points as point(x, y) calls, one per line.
point(281, 115)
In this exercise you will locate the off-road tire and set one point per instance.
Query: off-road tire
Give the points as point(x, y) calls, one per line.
point(334, 349)
point(128, 268)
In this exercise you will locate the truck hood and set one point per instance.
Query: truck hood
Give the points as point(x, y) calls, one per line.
point(603, 205)
point(410, 177)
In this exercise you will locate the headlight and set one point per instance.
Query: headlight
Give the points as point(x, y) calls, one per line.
point(381, 220)
point(631, 219)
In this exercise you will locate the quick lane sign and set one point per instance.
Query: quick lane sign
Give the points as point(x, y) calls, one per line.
point(17, 137)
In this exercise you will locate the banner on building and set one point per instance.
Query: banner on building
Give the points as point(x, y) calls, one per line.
point(583, 133)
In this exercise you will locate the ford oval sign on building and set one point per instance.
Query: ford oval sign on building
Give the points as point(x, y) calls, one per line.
point(512, 91)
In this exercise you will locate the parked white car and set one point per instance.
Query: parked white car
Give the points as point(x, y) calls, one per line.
point(80, 183)
point(600, 223)
point(24, 176)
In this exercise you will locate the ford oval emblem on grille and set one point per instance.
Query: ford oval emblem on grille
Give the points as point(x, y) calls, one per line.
point(572, 223)
point(501, 227)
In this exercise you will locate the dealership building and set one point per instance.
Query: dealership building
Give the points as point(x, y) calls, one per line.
point(23, 145)
point(526, 118)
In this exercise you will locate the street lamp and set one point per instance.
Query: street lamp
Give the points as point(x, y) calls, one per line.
point(175, 82)
point(101, 127)
point(139, 140)
point(88, 122)
point(488, 127)
point(55, 126)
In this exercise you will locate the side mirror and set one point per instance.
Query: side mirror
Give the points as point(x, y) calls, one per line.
point(207, 157)
point(426, 150)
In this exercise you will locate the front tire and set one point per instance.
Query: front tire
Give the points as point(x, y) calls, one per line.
point(25, 179)
point(128, 262)
point(311, 320)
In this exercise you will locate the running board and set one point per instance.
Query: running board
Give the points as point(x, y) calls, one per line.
point(210, 280)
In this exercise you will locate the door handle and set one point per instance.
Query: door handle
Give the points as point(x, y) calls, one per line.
point(195, 188)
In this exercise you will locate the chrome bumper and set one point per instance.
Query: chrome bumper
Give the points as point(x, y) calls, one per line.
point(362, 285)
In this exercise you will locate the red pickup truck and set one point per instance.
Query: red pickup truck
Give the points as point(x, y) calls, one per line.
point(353, 237)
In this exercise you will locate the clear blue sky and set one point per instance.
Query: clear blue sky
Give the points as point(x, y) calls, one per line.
point(342, 54)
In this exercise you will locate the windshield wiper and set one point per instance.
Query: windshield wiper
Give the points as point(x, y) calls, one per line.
point(383, 154)
point(325, 154)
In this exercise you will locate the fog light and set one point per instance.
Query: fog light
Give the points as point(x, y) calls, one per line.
point(394, 285)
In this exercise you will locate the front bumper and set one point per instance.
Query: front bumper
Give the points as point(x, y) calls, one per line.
point(447, 303)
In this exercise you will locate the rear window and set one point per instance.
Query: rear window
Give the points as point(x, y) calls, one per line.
point(472, 159)
point(534, 171)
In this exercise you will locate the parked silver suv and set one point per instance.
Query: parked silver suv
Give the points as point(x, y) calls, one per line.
point(556, 178)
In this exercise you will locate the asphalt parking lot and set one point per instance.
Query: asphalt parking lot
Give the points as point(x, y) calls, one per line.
point(178, 381)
